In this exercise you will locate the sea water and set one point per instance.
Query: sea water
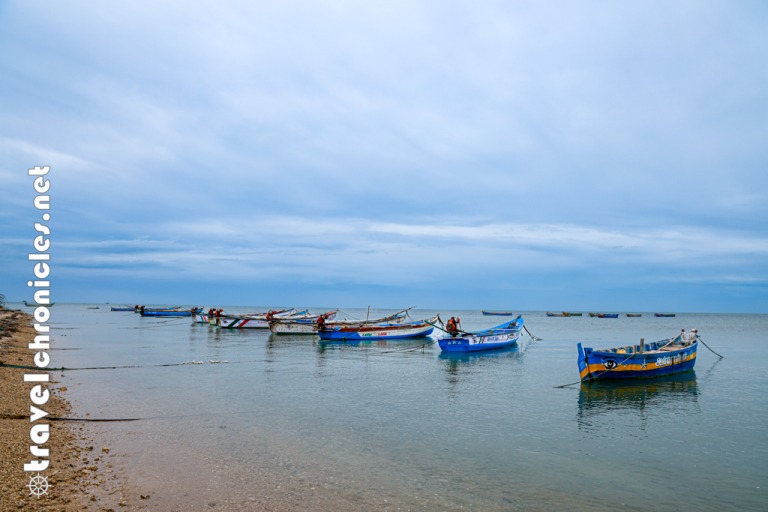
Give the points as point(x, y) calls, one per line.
point(384, 427)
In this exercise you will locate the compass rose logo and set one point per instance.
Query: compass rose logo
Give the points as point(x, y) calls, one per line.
point(38, 485)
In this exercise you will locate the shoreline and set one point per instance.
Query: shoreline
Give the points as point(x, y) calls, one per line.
point(80, 475)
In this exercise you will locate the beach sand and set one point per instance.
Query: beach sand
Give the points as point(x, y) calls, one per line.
point(80, 475)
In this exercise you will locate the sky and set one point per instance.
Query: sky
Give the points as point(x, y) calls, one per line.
point(520, 155)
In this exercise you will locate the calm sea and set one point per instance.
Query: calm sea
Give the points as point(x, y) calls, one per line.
point(386, 428)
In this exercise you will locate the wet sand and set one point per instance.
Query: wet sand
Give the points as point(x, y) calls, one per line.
point(80, 475)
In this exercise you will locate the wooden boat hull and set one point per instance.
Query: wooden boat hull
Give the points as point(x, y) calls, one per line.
point(237, 322)
point(501, 336)
point(630, 363)
point(309, 326)
point(297, 327)
point(389, 331)
point(200, 318)
point(257, 321)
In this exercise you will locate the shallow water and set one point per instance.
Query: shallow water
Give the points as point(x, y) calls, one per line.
point(381, 427)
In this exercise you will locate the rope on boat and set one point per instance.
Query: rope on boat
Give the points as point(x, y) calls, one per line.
point(535, 338)
point(702, 341)
point(409, 349)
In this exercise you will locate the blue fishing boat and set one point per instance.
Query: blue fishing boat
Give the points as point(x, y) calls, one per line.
point(122, 308)
point(664, 357)
point(607, 315)
point(382, 331)
point(498, 313)
point(503, 335)
point(187, 312)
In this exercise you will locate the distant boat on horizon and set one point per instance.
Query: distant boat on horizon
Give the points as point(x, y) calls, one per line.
point(664, 315)
point(498, 313)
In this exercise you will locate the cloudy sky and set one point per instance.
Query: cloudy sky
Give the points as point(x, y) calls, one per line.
point(558, 155)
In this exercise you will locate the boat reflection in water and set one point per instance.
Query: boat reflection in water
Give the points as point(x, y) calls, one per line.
point(466, 363)
point(601, 402)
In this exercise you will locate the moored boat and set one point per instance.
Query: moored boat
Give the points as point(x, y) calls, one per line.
point(607, 315)
point(503, 335)
point(498, 313)
point(664, 315)
point(309, 326)
point(634, 315)
point(379, 331)
point(549, 313)
point(172, 312)
point(664, 357)
point(258, 320)
point(299, 325)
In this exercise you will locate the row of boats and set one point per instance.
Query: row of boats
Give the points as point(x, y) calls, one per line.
point(325, 325)
point(608, 315)
point(659, 358)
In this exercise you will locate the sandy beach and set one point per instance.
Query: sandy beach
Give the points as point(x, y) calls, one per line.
point(80, 475)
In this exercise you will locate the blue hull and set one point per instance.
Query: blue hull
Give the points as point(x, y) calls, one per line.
point(629, 363)
point(166, 313)
point(501, 336)
point(463, 345)
point(357, 336)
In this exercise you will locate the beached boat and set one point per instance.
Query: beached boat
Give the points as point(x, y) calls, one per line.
point(503, 335)
point(498, 313)
point(379, 331)
point(607, 315)
point(664, 357)
point(664, 315)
